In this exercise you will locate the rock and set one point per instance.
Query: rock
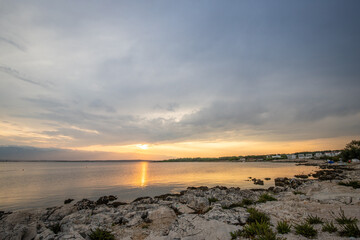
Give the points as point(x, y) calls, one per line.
point(194, 227)
point(116, 204)
point(301, 176)
point(199, 204)
point(85, 204)
point(180, 208)
point(267, 178)
point(258, 181)
point(143, 200)
point(105, 199)
point(67, 201)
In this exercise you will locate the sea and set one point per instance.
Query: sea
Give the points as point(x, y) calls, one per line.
point(30, 185)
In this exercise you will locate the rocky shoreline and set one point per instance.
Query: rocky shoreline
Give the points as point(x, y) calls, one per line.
point(197, 212)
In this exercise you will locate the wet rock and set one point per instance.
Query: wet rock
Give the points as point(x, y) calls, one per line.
point(267, 178)
point(286, 182)
point(67, 201)
point(105, 199)
point(301, 176)
point(143, 200)
point(85, 204)
point(116, 204)
point(258, 181)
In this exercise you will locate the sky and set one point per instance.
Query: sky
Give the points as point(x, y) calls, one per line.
point(167, 79)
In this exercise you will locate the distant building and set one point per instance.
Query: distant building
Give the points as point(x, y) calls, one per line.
point(355, 160)
point(329, 154)
point(337, 153)
point(319, 155)
point(301, 156)
point(291, 156)
point(276, 156)
point(308, 155)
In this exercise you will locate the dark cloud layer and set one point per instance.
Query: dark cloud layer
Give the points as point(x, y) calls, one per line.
point(166, 71)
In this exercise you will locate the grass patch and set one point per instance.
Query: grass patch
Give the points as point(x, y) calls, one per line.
point(306, 230)
point(235, 234)
point(350, 230)
point(329, 227)
point(255, 228)
point(353, 184)
point(342, 219)
point(100, 234)
point(56, 228)
point(283, 227)
point(212, 199)
point(314, 219)
point(266, 197)
point(257, 216)
point(247, 202)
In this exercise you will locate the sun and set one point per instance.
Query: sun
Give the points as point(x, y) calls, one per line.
point(143, 146)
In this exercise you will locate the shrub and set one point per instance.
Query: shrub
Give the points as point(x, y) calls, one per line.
point(329, 227)
point(350, 230)
point(247, 202)
point(235, 234)
point(353, 184)
point(100, 234)
point(255, 228)
point(266, 197)
point(313, 219)
point(306, 230)
point(283, 227)
point(257, 216)
point(342, 219)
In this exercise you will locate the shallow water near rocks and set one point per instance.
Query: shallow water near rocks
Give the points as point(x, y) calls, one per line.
point(25, 185)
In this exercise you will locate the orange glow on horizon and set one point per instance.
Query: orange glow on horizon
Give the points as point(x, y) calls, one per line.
point(218, 149)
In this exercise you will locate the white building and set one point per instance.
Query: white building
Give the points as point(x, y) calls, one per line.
point(291, 156)
point(329, 154)
point(301, 156)
point(308, 155)
point(276, 156)
point(318, 155)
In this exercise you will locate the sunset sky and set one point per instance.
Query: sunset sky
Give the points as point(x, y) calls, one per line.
point(166, 79)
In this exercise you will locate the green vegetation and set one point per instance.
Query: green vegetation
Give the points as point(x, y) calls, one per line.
point(313, 219)
point(329, 227)
point(256, 228)
point(350, 230)
point(353, 184)
point(257, 216)
point(247, 202)
point(235, 234)
point(283, 227)
point(266, 197)
point(352, 150)
point(305, 230)
point(212, 199)
point(56, 228)
point(342, 219)
point(100, 234)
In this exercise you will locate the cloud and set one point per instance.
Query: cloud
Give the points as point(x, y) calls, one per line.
point(14, 73)
point(131, 73)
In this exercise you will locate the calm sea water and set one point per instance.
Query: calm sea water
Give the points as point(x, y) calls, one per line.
point(25, 185)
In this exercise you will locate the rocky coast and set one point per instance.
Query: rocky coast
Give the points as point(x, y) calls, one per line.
point(203, 213)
